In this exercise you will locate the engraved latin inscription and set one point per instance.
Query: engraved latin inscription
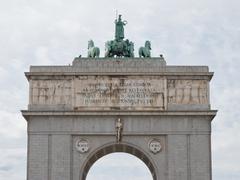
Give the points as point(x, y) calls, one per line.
point(123, 92)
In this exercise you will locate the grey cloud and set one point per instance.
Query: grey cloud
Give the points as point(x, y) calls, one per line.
point(187, 32)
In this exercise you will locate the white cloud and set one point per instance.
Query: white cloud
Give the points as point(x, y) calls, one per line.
point(14, 166)
point(122, 165)
point(12, 124)
point(187, 32)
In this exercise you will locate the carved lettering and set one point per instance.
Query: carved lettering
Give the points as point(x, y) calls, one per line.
point(123, 92)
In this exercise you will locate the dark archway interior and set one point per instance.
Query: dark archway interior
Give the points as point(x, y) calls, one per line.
point(117, 148)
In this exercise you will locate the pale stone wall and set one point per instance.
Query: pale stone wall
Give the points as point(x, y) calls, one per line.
point(178, 157)
point(50, 92)
point(106, 92)
point(129, 92)
point(38, 166)
point(126, 84)
point(200, 157)
point(185, 141)
point(97, 91)
point(169, 104)
point(60, 157)
point(188, 92)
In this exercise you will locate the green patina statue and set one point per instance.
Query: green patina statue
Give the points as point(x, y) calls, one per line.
point(92, 50)
point(145, 51)
point(119, 28)
point(119, 47)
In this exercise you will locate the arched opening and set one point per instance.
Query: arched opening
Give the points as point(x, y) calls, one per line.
point(119, 166)
point(121, 147)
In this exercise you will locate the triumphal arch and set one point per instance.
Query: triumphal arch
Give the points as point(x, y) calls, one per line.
point(96, 106)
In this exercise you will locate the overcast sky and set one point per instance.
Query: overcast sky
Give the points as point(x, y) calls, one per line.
point(187, 32)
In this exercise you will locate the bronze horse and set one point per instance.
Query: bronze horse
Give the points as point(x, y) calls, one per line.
point(145, 51)
point(119, 48)
point(92, 50)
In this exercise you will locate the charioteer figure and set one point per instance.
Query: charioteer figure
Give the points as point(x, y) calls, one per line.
point(119, 28)
point(119, 47)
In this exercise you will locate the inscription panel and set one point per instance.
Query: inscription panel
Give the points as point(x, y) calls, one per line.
point(119, 92)
point(115, 92)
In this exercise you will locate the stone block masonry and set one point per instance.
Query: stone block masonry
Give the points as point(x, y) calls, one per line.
point(73, 110)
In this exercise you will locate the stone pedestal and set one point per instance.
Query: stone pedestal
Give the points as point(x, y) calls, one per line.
point(164, 110)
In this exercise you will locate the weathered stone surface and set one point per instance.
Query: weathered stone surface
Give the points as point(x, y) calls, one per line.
point(73, 112)
point(119, 84)
point(188, 92)
point(51, 92)
point(119, 92)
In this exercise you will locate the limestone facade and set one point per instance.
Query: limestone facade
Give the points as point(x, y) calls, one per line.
point(73, 110)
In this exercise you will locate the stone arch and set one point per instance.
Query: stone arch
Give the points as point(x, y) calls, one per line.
point(118, 147)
